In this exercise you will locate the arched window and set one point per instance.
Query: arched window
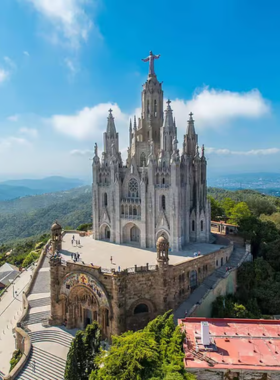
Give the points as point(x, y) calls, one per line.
point(105, 199)
point(148, 107)
point(163, 164)
point(163, 202)
point(163, 180)
point(134, 211)
point(133, 188)
point(141, 308)
point(155, 107)
point(193, 226)
point(122, 209)
point(142, 159)
point(201, 225)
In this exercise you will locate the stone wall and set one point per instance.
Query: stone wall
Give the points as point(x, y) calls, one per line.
point(154, 290)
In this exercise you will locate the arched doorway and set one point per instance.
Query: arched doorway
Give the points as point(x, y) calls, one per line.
point(107, 233)
point(135, 234)
point(131, 234)
point(83, 307)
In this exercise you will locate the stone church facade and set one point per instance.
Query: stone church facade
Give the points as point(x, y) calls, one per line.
point(158, 191)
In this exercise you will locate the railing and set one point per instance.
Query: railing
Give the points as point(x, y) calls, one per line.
point(162, 186)
point(126, 201)
point(137, 217)
point(137, 269)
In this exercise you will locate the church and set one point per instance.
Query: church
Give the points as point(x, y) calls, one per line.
point(158, 191)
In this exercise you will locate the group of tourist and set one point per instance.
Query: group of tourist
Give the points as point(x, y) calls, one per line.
point(75, 257)
point(77, 242)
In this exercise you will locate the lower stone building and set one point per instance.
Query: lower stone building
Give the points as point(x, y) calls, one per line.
point(232, 349)
point(124, 299)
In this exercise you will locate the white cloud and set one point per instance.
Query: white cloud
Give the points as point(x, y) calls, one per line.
point(89, 122)
point(4, 75)
point(71, 66)
point(253, 152)
point(78, 152)
point(9, 142)
point(215, 108)
point(68, 18)
point(10, 62)
point(30, 132)
point(26, 53)
point(12, 118)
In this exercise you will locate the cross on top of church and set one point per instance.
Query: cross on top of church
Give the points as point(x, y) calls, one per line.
point(168, 102)
point(110, 111)
point(191, 115)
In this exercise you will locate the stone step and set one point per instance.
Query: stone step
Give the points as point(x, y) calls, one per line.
point(40, 302)
point(36, 318)
point(61, 338)
point(47, 366)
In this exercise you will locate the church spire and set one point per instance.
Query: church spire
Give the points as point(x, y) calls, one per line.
point(111, 129)
point(191, 130)
point(190, 139)
point(168, 130)
point(168, 120)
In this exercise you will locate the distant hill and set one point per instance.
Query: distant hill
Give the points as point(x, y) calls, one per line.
point(34, 215)
point(20, 188)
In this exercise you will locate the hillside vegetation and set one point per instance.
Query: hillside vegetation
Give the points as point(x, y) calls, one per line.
point(33, 216)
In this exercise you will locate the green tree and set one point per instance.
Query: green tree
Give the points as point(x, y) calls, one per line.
point(228, 204)
point(133, 356)
point(154, 353)
point(92, 342)
point(76, 361)
point(238, 212)
point(216, 209)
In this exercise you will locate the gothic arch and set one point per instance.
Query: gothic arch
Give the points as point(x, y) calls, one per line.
point(104, 228)
point(163, 232)
point(131, 233)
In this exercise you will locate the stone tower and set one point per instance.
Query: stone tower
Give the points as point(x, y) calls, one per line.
point(56, 237)
point(158, 192)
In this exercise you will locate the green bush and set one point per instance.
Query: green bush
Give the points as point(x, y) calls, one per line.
point(30, 258)
point(84, 227)
point(15, 359)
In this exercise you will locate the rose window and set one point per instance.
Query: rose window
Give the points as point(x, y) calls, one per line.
point(133, 188)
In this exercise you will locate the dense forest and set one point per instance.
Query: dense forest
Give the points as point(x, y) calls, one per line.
point(258, 217)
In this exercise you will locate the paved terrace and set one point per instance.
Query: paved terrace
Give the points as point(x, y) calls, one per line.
point(99, 253)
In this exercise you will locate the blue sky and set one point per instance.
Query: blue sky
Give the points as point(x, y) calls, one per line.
point(64, 63)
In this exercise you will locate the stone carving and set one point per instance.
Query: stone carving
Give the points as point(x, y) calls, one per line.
point(73, 279)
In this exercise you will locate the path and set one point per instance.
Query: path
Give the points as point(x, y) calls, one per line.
point(197, 295)
point(10, 311)
point(50, 345)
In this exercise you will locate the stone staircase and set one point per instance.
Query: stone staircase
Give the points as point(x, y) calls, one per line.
point(40, 302)
point(55, 336)
point(39, 317)
point(43, 366)
point(197, 295)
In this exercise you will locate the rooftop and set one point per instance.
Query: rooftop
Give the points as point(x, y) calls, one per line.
point(100, 252)
point(8, 272)
point(252, 344)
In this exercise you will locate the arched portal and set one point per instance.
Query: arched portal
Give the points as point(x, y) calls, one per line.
point(131, 234)
point(84, 300)
point(105, 232)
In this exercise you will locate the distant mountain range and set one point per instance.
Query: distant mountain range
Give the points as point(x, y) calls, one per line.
point(25, 187)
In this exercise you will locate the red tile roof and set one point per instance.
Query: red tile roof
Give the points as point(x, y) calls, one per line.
point(237, 344)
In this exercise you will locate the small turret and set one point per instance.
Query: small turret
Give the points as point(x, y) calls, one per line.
point(56, 237)
point(111, 136)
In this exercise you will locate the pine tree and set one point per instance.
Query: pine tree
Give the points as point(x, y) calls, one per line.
point(76, 363)
point(92, 342)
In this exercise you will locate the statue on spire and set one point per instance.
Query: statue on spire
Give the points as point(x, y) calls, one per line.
point(151, 59)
